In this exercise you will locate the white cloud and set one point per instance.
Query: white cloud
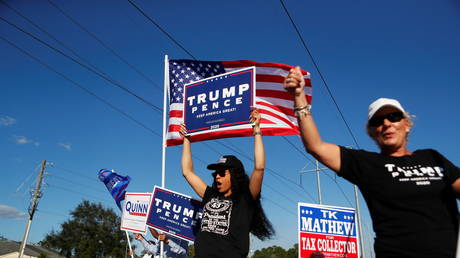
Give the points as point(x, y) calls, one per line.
point(23, 140)
point(66, 146)
point(7, 121)
point(7, 212)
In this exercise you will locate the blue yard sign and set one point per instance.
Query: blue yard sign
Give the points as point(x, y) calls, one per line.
point(220, 101)
point(175, 213)
point(327, 231)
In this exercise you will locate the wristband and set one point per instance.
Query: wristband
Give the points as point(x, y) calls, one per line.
point(258, 133)
point(305, 110)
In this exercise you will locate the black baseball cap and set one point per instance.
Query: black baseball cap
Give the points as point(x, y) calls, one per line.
point(227, 161)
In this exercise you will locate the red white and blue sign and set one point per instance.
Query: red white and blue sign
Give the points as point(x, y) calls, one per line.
point(135, 211)
point(220, 101)
point(175, 213)
point(327, 231)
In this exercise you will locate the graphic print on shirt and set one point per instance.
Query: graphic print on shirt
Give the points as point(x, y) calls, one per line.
point(216, 216)
point(418, 174)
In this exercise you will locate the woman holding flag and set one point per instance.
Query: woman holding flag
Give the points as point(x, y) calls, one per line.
point(232, 207)
point(411, 196)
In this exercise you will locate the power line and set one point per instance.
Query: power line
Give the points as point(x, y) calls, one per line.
point(52, 37)
point(76, 192)
point(117, 84)
point(86, 187)
point(161, 29)
point(266, 168)
point(81, 87)
point(340, 188)
point(319, 72)
point(298, 150)
point(281, 207)
point(73, 172)
point(103, 44)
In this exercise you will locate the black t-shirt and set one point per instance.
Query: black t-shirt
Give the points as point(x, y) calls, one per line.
point(225, 225)
point(410, 199)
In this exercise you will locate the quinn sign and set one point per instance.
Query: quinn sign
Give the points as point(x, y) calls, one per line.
point(327, 231)
point(219, 101)
point(135, 211)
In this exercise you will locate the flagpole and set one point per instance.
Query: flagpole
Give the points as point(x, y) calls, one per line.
point(129, 244)
point(163, 142)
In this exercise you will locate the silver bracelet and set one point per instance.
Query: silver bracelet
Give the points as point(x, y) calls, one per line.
point(305, 111)
point(258, 133)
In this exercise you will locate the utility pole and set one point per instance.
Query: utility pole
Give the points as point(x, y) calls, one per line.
point(355, 188)
point(318, 182)
point(33, 207)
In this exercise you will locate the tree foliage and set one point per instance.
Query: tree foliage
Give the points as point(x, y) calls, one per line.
point(276, 252)
point(93, 231)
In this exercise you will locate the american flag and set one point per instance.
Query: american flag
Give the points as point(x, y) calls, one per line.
point(273, 102)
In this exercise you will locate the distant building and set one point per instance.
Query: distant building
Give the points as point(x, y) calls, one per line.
point(10, 249)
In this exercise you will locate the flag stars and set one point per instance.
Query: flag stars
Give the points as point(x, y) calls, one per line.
point(307, 212)
point(348, 217)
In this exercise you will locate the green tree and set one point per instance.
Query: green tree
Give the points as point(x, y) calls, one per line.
point(293, 251)
point(276, 252)
point(93, 231)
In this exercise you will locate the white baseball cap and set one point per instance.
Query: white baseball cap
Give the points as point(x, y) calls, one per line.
point(381, 102)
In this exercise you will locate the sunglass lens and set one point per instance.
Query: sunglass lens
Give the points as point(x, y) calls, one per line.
point(395, 117)
point(392, 117)
point(221, 173)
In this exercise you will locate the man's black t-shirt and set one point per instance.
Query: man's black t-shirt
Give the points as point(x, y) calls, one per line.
point(410, 199)
point(225, 225)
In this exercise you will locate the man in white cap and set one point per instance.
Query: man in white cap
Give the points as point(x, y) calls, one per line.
point(411, 196)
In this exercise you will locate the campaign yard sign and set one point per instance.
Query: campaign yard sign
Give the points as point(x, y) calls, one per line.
point(135, 210)
point(219, 101)
point(327, 231)
point(175, 213)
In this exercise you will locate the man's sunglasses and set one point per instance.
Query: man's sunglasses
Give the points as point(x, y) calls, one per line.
point(221, 173)
point(392, 117)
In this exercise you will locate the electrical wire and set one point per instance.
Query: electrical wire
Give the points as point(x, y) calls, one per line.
point(81, 87)
point(119, 85)
point(319, 72)
point(160, 28)
point(62, 44)
point(105, 45)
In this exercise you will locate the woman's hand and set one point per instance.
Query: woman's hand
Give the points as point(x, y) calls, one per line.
point(294, 82)
point(255, 119)
point(183, 132)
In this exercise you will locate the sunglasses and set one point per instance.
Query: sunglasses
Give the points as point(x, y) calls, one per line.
point(221, 173)
point(392, 117)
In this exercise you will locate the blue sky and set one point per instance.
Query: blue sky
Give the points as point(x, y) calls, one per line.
point(406, 50)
